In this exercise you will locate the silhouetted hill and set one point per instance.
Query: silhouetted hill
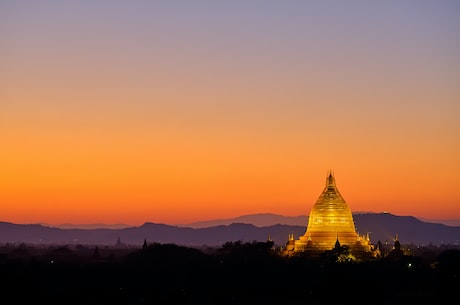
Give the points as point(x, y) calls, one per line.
point(385, 226)
point(158, 233)
point(381, 227)
point(39, 234)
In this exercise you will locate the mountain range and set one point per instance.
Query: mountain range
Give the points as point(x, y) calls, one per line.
point(381, 227)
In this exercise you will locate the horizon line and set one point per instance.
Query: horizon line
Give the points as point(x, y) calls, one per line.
point(103, 225)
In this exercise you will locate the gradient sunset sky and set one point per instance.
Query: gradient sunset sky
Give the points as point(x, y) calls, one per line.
point(179, 111)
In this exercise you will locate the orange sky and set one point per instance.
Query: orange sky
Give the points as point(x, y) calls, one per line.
point(177, 113)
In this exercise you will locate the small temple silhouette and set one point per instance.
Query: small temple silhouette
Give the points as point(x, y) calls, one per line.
point(330, 224)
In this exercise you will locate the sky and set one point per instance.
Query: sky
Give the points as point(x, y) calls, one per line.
point(180, 111)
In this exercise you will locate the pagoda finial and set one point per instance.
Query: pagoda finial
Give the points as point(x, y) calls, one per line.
point(330, 180)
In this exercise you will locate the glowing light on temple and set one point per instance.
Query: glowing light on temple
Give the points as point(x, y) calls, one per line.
point(330, 225)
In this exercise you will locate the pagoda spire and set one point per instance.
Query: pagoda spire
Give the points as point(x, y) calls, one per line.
point(330, 179)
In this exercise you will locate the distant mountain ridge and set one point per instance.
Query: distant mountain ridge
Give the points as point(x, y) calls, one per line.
point(258, 220)
point(268, 219)
point(88, 226)
point(381, 227)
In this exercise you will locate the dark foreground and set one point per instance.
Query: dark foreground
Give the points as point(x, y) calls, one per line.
point(236, 273)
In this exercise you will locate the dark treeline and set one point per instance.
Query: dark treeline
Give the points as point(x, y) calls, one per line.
point(235, 273)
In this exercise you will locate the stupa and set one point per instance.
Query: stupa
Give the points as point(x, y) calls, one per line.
point(330, 224)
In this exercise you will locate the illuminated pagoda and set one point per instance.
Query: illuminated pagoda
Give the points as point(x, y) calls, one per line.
point(330, 225)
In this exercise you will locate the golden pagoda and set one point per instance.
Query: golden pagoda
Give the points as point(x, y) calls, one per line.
point(330, 225)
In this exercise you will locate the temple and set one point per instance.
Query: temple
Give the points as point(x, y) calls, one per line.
point(330, 225)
